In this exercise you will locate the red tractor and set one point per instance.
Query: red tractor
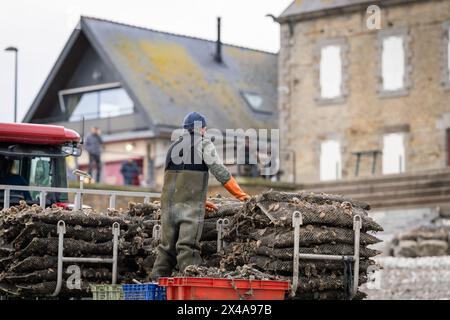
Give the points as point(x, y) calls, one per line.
point(35, 155)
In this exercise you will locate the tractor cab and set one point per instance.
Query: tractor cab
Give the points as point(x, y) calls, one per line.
point(35, 155)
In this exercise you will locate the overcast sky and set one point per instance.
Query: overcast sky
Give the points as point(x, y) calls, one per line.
point(40, 29)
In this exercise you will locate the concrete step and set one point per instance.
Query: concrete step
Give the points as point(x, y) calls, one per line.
point(436, 200)
point(393, 191)
point(383, 188)
point(389, 187)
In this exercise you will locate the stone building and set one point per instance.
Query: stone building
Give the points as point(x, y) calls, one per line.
point(357, 99)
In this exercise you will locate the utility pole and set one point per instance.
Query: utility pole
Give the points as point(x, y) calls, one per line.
point(15, 50)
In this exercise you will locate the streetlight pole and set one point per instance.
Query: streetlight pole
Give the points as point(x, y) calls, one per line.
point(15, 50)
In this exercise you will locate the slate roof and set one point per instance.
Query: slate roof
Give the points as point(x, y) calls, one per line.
point(170, 75)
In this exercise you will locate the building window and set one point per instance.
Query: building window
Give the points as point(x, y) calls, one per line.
point(393, 153)
point(446, 55)
point(394, 66)
point(330, 160)
point(330, 72)
point(95, 103)
point(332, 66)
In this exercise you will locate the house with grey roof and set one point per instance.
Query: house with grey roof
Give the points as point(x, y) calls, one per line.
point(137, 84)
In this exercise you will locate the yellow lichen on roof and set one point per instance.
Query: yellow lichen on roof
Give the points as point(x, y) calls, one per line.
point(127, 51)
point(167, 66)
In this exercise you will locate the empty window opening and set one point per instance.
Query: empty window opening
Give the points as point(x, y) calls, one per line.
point(393, 153)
point(330, 72)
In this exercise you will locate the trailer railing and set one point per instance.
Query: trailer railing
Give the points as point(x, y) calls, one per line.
point(297, 221)
point(78, 203)
point(61, 230)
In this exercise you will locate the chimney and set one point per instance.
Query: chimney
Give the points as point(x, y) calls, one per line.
point(218, 56)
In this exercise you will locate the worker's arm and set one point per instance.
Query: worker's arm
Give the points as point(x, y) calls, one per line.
point(220, 172)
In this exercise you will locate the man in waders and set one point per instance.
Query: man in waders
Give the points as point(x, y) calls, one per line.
point(183, 198)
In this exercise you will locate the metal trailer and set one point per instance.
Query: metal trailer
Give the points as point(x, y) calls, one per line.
point(220, 225)
point(297, 221)
point(61, 227)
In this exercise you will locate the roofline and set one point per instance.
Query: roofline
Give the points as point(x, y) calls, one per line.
point(176, 34)
point(105, 57)
point(339, 10)
point(52, 74)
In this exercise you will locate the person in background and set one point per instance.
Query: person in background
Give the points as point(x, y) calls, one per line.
point(130, 171)
point(93, 146)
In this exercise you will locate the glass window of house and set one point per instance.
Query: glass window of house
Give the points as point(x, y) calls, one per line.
point(393, 63)
point(98, 104)
point(393, 153)
point(330, 72)
point(330, 160)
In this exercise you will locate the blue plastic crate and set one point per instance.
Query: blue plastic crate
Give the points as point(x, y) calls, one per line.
point(146, 291)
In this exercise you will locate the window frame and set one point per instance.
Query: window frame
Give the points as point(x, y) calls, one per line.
point(403, 135)
point(407, 83)
point(445, 55)
point(344, 46)
point(88, 89)
point(247, 102)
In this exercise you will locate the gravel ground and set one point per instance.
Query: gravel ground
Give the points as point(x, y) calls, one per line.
point(410, 278)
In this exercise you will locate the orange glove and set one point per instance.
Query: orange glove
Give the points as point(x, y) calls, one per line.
point(233, 188)
point(210, 207)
